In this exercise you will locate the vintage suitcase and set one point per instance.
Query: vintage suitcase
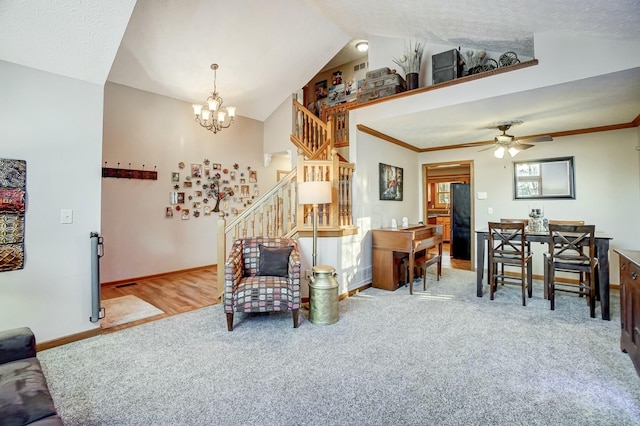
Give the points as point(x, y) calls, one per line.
point(378, 93)
point(385, 80)
point(385, 85)
point(380, 72)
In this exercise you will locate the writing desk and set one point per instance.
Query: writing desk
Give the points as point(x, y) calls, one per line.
point(602, 252)
point(390, 246)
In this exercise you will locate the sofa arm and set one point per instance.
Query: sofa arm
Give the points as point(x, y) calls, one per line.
point(233, 272)
point(293, 281)
point(17, 343)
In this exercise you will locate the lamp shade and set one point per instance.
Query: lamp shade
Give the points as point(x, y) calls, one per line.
point(314, 192)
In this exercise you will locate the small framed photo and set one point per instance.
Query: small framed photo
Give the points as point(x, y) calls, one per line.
point(196, 170)
point(253, 176)
point(168, 213)
point(175, 177)
point(216, 166)
point(185, 214)
point(244, 191)
point(207, 171)
point(207, 210)
point(187, 184)
point(173, 198)
point(198, 193)
point(180, 197)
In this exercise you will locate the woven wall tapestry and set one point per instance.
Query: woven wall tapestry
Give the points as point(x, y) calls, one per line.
point(13, 186)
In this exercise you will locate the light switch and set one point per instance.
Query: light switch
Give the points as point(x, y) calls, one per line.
point(490, 210)
point(482, 195)
point(66, 216)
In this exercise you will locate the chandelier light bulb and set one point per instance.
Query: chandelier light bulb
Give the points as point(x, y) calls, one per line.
point(362, 46)
point(499, 153)
point(513, 151)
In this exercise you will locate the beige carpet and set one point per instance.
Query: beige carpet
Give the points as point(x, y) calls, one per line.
point(121, 310)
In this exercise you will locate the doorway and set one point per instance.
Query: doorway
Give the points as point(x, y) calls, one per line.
point(438, 179)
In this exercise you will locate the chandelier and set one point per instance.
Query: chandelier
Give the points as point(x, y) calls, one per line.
point(214, 117)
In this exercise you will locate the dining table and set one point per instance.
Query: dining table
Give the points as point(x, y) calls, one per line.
point(602, 253)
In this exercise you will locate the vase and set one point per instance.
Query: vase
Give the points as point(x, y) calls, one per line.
point(217, 207)
point(412, 80)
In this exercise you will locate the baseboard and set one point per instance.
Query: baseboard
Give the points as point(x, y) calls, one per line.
point(68, 339)
point(154, 276)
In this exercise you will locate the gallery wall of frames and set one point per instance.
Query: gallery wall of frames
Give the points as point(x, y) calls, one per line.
point(204, 188)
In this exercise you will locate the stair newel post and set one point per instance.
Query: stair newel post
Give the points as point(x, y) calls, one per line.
point(222, 254)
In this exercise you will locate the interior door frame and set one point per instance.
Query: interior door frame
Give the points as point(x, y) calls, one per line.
point(425, 197)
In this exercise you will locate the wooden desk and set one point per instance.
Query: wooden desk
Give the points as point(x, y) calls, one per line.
point(390, 246)
point(602, 251)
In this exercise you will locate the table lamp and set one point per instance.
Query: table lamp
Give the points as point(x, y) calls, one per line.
point(314, 192)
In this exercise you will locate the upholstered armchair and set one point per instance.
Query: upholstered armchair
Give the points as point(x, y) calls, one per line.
point(262, 275)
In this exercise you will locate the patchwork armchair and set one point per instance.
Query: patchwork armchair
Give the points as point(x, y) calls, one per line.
point(262, 274)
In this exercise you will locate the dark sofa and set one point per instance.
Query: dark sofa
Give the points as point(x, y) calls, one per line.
point(24, 394)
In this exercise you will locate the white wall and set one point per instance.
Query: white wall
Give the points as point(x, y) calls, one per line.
point(157, 131)
point(55, 124)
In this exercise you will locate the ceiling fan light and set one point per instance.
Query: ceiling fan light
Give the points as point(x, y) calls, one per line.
point(499, 152)
point(513, 151)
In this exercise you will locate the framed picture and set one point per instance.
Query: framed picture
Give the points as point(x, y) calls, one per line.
point(175, 177)
point(253, 176)
point(321, 89)
point(185, 214)
point(391, 179)
point(216, 166)
point(168, 213)
point(196, 170)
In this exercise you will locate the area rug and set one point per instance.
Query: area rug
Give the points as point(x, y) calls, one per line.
point(121, 310)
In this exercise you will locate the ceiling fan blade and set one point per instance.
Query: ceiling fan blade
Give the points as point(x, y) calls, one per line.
point(545, 138)
point(523, 146)
point(488, 148)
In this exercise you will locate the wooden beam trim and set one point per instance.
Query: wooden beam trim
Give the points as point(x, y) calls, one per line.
point(380, 135)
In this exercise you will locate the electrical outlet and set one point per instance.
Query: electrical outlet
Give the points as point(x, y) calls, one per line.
point(308, 274)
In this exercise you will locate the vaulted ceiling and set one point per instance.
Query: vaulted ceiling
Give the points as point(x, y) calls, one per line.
point(268, 50)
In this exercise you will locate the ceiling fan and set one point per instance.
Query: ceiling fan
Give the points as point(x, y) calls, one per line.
point(508, 143)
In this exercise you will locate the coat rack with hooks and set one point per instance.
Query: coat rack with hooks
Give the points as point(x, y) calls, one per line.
point(129, 173)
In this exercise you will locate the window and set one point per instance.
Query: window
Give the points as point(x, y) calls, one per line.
point(443, 194)
point(547, 178)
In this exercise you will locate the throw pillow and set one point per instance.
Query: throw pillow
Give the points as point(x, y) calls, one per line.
point(274, 261)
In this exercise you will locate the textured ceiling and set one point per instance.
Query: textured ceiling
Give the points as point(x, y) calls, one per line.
point(268, 50)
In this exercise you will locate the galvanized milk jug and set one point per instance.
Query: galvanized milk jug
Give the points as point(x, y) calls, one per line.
point(323, 295)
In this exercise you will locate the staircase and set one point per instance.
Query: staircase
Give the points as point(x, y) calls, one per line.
point(277, 212)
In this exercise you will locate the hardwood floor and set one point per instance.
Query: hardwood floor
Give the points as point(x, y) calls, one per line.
point(182, 292)
point(448, 262)
point(174, 293)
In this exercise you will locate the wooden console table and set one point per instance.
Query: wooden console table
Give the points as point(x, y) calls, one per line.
point(390, 246)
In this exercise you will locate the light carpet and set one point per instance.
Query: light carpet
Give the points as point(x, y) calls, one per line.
point(125, 309)
point(440, 357)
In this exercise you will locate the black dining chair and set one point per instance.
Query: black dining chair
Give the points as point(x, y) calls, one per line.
point(507, 246)
point(572, 250)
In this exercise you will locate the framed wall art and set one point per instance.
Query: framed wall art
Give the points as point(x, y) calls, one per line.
point(391, 181)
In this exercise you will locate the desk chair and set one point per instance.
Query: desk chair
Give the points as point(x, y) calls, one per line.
point(507, 246)
point(572, 249)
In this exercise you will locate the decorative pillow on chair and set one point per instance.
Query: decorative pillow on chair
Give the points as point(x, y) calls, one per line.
point(274, 261)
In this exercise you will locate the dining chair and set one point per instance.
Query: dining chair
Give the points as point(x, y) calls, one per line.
point(527, 243)
point(507, 246)
point(572, 250)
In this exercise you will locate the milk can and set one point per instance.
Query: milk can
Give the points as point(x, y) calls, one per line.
point(323, 295)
